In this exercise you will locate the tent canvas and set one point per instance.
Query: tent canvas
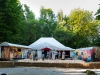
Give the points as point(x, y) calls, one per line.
point(48, 42)
point(86, 48)
point(46, 48)
point(14, 45)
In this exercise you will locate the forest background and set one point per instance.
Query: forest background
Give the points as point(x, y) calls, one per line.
point(19, 25)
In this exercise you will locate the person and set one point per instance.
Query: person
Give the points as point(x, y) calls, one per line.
point(56, 55)
point(88, 59)
point(53, 55)
point(36, 55)
point(42, 54)
point(80, 57)
point(93, 57)
point(59, 55)
point(63, 55)
point(33, 55)
point(50, 55)
point(11, 55)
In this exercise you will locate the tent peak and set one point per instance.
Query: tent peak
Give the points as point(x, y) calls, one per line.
point(49, 42)
point(46, 37)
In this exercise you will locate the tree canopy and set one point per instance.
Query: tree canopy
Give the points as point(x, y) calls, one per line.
point(18, 24)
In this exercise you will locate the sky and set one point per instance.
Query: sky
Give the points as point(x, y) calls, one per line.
point(65, 5)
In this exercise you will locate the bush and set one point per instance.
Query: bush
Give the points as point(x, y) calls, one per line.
point(88, 72)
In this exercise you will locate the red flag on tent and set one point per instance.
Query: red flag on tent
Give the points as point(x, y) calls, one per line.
point(46, 48)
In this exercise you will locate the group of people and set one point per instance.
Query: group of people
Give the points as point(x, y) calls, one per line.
point(53, 55)
point(58, 55)
point(49, 55)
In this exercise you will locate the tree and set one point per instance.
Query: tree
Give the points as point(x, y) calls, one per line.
point(97, 14)
point(97, 39)
point(47, 22)
point(29, 27)
point(11, 15)
point(65, 37)
point(83, 25)
point(61, 20)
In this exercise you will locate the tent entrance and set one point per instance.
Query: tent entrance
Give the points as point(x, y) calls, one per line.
point(46, 52)
point(67, 54)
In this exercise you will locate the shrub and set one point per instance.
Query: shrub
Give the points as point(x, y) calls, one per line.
point(88, 72)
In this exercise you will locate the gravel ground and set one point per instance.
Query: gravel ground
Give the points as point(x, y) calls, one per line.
point(52, 61)
point(44, 71)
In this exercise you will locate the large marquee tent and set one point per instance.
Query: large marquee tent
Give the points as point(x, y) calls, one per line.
point(51, 44)
point(48, 42)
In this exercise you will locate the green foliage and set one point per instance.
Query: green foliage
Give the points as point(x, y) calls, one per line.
point(97, 14)
point(61, 21)
point(64, 37)
point(97, 41)
point(88, 72)
point(10, 19)
point(97, 38)
point(18, 25)
point(47, 22)
point(81, 23)
point(28, 27)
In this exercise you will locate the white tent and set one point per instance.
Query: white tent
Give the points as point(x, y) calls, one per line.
point(49, 42)
point(85, 48)
point(14, 45)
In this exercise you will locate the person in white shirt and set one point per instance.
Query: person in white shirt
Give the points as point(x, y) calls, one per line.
point(42, 54)
point(59, 55)
point(63, 55)
point(53, 54)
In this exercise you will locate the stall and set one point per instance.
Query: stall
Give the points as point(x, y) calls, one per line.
point(13, 51)
point(85, 53)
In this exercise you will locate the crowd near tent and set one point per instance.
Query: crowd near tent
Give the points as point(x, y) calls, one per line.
point(11, 51)
point(51, 48)
point(50, 45)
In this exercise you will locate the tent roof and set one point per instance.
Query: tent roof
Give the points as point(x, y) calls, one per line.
point(49, 42)
point(14, 45)
point(86, 48)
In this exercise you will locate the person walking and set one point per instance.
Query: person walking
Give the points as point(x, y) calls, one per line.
point(63, 55)
point(33, 55)
point(56, 55)
point(42, 54)
point(36, 56)
point(59, 55)
point(53, 55)
point(50, 55)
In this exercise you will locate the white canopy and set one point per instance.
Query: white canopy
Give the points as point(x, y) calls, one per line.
point(48, 42)
point(86, 48)
point(14, 45)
